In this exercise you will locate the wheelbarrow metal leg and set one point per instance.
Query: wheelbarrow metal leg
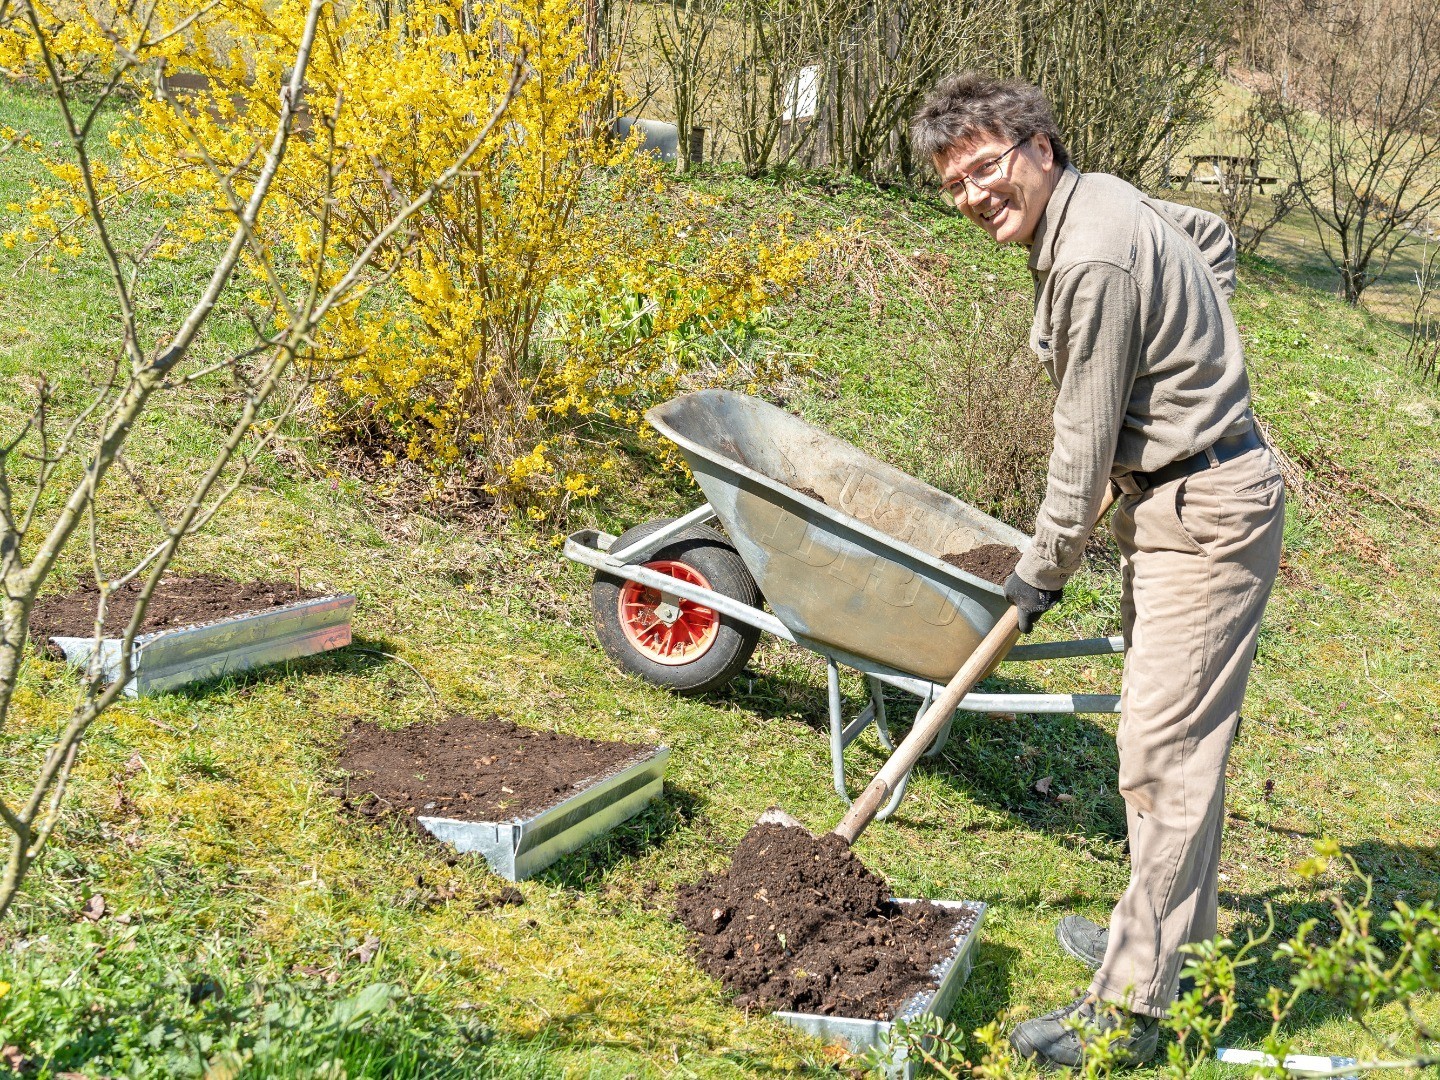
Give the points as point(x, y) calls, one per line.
point(877, 709)
point(837, 728)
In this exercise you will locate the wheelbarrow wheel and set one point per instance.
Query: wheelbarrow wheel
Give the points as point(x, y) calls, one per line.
point(689, 648)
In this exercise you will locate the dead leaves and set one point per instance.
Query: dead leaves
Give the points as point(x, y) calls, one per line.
point(1042, 787)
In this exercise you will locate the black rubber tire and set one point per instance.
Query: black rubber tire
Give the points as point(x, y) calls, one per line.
point(708, 552)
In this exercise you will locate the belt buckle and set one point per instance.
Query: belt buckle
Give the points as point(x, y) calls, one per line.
point(1132, 483)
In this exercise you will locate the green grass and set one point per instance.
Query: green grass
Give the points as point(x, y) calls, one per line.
point(203, 816)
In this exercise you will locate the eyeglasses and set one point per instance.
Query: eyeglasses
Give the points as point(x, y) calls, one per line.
point(985, 174)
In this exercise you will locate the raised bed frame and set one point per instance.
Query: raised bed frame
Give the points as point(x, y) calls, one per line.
point(861, 1034)
point(168, 659)
point(522, 847)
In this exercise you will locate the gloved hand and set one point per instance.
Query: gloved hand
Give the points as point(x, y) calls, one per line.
point(1029, 601)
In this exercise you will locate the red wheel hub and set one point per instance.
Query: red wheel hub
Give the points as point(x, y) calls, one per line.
point(669, 634)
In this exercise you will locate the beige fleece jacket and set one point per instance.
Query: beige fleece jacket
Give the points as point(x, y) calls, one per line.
point(1133, 325)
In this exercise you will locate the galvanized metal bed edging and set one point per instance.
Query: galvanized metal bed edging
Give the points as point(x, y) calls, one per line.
point(168, 659)
point(861, 1034)
point(522, 847)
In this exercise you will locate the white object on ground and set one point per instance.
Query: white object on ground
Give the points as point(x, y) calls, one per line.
point(1300, 1063)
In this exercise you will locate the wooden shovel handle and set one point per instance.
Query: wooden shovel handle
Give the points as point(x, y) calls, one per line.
point(992, 648)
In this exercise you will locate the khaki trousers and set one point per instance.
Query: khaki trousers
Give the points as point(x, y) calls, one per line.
point(1198, 558)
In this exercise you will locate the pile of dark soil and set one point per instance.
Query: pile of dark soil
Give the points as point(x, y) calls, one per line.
point(472, 770)
point(993, 562)
point(798, 923)
point(812, 493)
point(178, 602)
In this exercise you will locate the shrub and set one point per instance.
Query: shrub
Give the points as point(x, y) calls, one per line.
point(992, 433)
point(531, 311)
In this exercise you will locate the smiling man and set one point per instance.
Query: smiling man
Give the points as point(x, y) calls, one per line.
point(1133, 325)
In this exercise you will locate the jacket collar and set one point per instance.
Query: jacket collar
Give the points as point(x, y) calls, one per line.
point(1042, 248)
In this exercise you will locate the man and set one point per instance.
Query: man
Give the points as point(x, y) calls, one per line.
point(1133, 325)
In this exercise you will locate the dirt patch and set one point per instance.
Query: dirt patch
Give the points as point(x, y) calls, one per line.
point(812, 493)
point(506, 897)
point(993, 562)
point(178, 601)
point(472, 770)
point(798, 923)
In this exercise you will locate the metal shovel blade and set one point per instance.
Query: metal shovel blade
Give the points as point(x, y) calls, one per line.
point(776, 816)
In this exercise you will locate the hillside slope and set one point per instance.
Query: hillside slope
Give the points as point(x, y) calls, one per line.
point(254, 904)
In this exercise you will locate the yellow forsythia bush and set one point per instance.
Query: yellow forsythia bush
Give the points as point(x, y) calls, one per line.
point(537, 306)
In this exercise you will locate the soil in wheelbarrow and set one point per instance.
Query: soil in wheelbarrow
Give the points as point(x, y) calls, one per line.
point(993, 562)
point(797, 923)
point(470, 769)
point(812, 493)
point(178, 601)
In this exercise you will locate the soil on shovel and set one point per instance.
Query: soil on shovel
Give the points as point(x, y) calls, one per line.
point(993, 562)
point(177, 602)
point(797, 923)
point(472, 770)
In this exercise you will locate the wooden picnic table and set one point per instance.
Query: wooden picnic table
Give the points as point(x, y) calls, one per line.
point(1224, 169)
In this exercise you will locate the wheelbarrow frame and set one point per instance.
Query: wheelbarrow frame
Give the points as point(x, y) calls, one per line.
point(595, 549)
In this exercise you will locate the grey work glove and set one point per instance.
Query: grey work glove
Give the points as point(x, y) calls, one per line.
point(1029, 601)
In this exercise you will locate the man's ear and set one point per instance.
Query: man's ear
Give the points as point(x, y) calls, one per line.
point(1044, 149)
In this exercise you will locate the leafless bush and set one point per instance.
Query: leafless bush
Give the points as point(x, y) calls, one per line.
point(1423, 348)
point(1254, 135)
point(880, 61)
point(992, 433)
point(685, 33)
point(1357, 111)
point(1127, 79)
point(780, 45)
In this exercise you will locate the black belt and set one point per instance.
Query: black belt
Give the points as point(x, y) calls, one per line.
point(1230, 447)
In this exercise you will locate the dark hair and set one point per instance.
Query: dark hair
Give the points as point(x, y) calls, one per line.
point(972, 104)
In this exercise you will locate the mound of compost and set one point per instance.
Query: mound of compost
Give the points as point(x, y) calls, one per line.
point(177, 602)
point(472, 770)
point(993, 562)
point(797, 923)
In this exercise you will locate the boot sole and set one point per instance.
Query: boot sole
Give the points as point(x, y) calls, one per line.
point(1085, 958)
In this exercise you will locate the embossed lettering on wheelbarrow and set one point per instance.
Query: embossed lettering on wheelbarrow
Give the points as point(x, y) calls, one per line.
point(860, 568)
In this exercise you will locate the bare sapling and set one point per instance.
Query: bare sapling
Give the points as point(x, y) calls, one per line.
point(1254, 138)
point(1357, 115)
point(66, 461)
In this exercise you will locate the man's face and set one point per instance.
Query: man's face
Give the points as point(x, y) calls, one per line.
point(1008, 185)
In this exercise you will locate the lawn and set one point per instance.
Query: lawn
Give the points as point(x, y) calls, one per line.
point(251, 927)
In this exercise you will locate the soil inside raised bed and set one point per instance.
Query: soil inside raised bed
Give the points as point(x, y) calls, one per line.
point(797, 923)
point(177, 602)
point(993, 562)
point(472, 770)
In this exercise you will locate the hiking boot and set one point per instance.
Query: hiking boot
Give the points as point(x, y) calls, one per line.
point(1086, 941)
point(1083, 939)
point(1049, 1041)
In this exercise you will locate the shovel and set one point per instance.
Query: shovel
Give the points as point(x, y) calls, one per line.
point(990, 651)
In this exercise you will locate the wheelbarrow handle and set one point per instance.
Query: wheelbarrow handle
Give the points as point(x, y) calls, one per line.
point(991, 650)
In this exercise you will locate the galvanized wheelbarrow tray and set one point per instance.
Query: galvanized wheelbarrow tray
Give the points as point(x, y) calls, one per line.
point(848, 553)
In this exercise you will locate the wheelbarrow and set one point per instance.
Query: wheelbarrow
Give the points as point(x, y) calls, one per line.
point(847, 552)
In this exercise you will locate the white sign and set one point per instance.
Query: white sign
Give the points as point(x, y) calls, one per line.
point(803, 94)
